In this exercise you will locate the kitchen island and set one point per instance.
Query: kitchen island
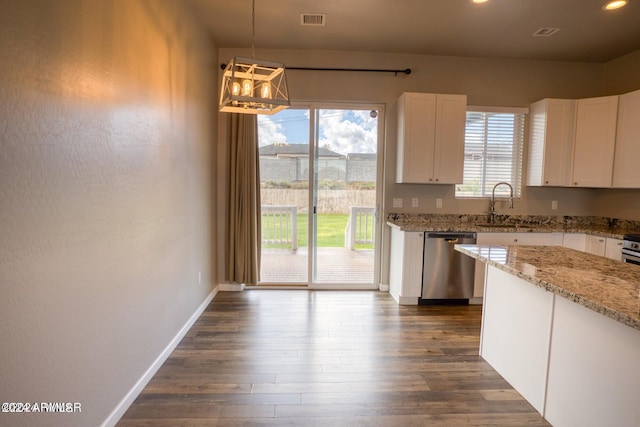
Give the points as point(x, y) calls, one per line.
point(563, 327)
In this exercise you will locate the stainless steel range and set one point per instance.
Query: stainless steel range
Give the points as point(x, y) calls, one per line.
point(631, 249)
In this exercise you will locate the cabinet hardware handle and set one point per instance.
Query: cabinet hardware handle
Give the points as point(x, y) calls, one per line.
point(546, 182)
point(575, 183)
point(436, 179)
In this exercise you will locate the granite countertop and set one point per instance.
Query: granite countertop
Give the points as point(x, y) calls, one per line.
point(608, 287)
point(603, 227)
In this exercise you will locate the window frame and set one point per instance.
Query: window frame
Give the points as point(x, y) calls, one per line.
point(518, 162)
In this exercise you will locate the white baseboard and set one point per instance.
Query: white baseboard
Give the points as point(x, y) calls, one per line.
point(476, 301)
point(131, 396)
point(232, 287)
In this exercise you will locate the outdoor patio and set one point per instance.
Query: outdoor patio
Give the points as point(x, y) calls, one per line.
point(335, 265)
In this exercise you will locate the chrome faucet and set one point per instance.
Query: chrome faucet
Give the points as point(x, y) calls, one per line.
point(492, 203)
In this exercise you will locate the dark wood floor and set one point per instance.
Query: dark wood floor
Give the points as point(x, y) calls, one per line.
point(329, 358)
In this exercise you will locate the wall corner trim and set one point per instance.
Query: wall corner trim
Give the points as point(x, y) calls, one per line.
point(131, 396)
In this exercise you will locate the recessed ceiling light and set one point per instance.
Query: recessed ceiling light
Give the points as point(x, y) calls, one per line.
point(615, 4)
point(479, 1)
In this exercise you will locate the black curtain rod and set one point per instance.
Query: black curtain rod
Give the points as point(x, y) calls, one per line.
point(366, 70)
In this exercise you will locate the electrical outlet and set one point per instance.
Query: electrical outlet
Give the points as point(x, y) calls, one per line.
point(438, 203)
point(397, 203)
point(199, 277)
point(414, 202)
point(554, 205)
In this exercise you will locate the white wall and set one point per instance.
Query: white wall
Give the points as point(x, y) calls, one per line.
point(622, 74)
point(106, 127)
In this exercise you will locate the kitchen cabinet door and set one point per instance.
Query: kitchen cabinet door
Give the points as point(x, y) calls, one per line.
point(594, 141)
point(448, 161)
point(627, 151)
point(551, 142)
point(405, 270)
point(575, 241)
point(416, 137)
point(613, 248)
point(538, 239)
point(595, 245)
point(430, 144)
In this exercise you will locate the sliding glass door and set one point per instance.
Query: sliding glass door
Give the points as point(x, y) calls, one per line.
point(319, 173)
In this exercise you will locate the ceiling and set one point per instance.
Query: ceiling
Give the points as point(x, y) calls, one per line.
point(497, 29)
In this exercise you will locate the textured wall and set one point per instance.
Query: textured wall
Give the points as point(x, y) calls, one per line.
point(623, 74)
point(105, 189)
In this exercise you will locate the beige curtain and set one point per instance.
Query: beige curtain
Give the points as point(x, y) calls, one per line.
point(243, 228)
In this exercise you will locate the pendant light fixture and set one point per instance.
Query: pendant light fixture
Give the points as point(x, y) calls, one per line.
point(252, 86)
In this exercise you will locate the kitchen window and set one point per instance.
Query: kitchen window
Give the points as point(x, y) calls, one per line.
point(492, 152)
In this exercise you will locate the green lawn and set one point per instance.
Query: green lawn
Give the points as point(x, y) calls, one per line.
point(330, 232)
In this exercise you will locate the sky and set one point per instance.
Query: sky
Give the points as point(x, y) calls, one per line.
point(342, 131)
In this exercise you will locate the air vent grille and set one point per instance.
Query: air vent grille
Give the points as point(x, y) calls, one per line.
point(545, 32)
point(313, 19)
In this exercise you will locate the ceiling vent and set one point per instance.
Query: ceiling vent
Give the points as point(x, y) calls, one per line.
point(545, 32)
point(313, 19)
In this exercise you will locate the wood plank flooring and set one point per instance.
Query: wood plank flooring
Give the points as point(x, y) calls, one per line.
point(329, 358)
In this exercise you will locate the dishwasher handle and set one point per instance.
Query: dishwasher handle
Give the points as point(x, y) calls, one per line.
point(451, 240)
point(449, 236)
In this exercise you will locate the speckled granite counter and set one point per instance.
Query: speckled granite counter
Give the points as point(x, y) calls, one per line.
point(603, 227)
point(605, 286)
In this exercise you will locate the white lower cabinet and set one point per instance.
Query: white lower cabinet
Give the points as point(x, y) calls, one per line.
point(575, 366)
point(613, 249)
point(516, 330)
point(533, 239)
point(595, 245)
point(575, 241)
point(405, 269)
point(602, 246)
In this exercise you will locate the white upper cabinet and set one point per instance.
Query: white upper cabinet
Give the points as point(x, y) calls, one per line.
point(551, 142)
point(594, 141)
point(431, 138)
point(627, 153)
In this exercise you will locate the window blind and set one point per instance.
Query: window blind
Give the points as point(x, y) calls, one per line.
point(492, 153)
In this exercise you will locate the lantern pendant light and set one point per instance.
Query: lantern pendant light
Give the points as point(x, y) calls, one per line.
point(252, 86)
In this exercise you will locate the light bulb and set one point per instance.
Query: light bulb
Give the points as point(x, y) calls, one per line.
point(247, 87)
point(265, 90)
point(616, 4)
point(235, 88)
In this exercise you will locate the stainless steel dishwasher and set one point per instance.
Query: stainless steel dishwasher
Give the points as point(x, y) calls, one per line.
point(447, 275)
